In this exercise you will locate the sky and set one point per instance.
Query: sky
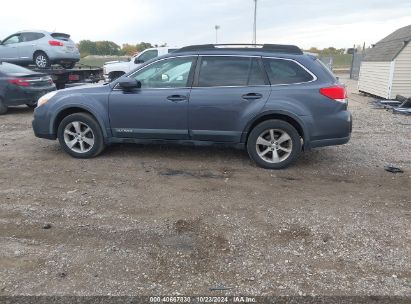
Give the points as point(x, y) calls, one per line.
point(317, 23)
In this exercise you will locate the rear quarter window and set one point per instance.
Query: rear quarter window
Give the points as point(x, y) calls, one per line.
point(282, 71)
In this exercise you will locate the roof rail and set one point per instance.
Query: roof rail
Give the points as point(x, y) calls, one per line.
point(277, 48)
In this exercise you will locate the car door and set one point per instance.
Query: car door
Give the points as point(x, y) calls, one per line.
point(227, 93)
point(159, 109)
point(9, 48)
point(28, 45)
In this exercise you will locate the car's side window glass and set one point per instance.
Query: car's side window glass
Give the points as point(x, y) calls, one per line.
point(256, 75)
point(12, 40)
point(25, 37)
point(148, 56)
point(168, 73)
point(218, 71)
point(282, 71)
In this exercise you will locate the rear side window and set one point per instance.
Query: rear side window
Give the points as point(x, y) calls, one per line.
point(281, 71)
point(217, 71)
point(25, 37)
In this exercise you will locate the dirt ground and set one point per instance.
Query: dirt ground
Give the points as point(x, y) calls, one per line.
point(146, 220)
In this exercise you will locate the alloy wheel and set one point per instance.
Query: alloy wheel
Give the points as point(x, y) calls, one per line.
point(78, 137)
point(41, 61)
point(274, 145)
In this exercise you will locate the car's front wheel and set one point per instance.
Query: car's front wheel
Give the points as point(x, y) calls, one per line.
point(274, 144)
point(80, 135)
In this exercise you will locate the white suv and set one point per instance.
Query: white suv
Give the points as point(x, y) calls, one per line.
point(115, 69)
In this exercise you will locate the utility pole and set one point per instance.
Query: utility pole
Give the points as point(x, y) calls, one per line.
point(255, 23)
point(217, 27)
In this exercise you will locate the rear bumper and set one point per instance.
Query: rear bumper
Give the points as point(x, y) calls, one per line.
point(331, 130)
point(20, 96)
point(329, 142)
point(57, 55)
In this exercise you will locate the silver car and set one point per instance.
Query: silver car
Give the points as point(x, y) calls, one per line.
point(41, 48)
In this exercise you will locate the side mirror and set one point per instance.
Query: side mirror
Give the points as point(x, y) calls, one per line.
point(127, 83)
point(138, 61)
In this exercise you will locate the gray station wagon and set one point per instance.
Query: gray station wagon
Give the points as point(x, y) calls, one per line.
point(271, 99)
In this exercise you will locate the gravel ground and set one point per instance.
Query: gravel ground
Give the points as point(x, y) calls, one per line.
point(144, 220)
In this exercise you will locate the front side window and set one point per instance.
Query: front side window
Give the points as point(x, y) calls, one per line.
point(217, 71)
point(168, 73)
point(148, 55)
point(281, 71)
point(12, 40)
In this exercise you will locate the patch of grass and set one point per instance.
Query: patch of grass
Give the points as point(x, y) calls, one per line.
point(98, 61)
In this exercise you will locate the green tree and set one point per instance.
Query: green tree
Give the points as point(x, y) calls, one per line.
point(128, 49)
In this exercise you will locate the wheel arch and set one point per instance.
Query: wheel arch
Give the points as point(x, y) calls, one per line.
point(39, 51)
point(64, 112)
point(292, 119)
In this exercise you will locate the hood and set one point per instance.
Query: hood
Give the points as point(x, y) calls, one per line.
point(87, 88)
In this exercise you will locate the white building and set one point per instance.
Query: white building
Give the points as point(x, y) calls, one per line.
point(386, 68)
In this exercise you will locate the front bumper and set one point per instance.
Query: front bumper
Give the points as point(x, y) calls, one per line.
point(41, 123)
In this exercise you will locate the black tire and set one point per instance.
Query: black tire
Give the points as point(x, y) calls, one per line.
point(114, 75)
point(86, 120)
point(41, 60)
point(3, 107)
point(68, 66)
point(274, 151)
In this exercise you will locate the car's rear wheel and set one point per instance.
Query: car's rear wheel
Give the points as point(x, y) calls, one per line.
point(41, 60)
point(274, 144)
point(80, 135)
point(3, 107)
point(68, 65)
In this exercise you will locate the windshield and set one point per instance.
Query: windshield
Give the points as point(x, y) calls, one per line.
point(9, 68)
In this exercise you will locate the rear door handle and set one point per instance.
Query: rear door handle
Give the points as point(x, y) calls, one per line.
point(177, 98)
point(252, 96)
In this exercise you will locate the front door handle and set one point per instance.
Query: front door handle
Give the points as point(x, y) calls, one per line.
point(177, 98)
point(252, 96)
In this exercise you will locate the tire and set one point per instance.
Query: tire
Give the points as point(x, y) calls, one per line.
point(88, 144)
point(68, 66)
point(3, 107)
point(114, 75)
point(41, 60)
point(274, 144)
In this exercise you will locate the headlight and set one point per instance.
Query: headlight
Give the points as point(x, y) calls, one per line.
point(43, 99)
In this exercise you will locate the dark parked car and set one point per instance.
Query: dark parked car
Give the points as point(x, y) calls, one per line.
point(274, 100)
point(19, 86)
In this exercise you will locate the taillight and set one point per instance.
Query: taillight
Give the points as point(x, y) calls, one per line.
point(55, 43)
point(337, 93)
point(19, 82)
